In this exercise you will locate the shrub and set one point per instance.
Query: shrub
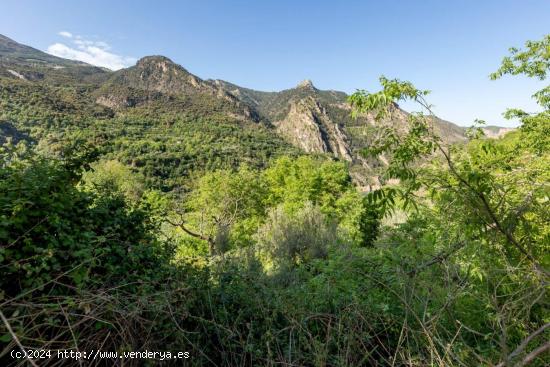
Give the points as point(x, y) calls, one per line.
point(298, 237)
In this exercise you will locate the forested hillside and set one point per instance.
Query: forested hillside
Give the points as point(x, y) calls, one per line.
point(203, 124)
point(149, 209)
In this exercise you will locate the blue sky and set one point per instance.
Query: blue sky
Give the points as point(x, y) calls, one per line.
point(446, 46)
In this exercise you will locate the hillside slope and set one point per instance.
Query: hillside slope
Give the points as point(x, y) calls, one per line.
point(157, 100)
point(18, 61)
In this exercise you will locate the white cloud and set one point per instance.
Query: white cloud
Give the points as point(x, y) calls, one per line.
point(66, 34)
point(92, 52)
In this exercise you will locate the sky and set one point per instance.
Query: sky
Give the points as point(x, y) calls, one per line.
point(446, 46)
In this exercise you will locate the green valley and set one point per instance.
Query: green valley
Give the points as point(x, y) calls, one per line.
point(147, 209)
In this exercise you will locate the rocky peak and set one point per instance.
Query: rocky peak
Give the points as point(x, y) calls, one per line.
point(156, 61)
point(160, 74)
point(306, 84)
point(159, 65)
point(308, 126)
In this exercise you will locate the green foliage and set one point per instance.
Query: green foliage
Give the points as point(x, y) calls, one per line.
point(298, 237)
point(533, 62)
point(380, 102)
point(368, 224)
point(54, 230)
point(165, 139)
point(226, 201)
point(280, 260)
point(230, 206)
point(293, 182)
point(488, 212)
point(112, 176)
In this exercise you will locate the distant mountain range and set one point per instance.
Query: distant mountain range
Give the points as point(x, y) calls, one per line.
point(313, 121)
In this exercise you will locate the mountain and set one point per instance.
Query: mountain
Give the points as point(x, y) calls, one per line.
point(300, 115)
point(496, 131)
point(155, 77)
point(27, 63)
point(319, 121)
point(213, 122)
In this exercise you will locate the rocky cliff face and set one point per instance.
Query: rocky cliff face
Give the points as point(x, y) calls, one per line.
point(496, 131)
point(308, 127)
point(319, 121)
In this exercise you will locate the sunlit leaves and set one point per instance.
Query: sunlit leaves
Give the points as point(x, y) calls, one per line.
point(381, 103)
point(534, 61)
point(475, 131)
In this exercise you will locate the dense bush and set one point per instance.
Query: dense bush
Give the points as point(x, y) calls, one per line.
point(73, 261)
point(296, 238)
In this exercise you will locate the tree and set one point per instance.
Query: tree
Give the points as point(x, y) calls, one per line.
point(494, 193)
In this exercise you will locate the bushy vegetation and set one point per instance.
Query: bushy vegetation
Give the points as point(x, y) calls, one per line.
point(277, 259)
point(165, 139)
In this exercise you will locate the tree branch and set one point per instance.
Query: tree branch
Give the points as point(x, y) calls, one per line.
point(191, 233)
point(529, 358)
point(16, 339)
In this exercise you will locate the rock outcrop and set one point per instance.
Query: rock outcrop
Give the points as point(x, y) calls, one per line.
point(496, 131)
point(308, 127)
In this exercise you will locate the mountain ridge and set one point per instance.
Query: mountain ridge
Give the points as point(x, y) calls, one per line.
point(28, 63)
point(312, 120)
